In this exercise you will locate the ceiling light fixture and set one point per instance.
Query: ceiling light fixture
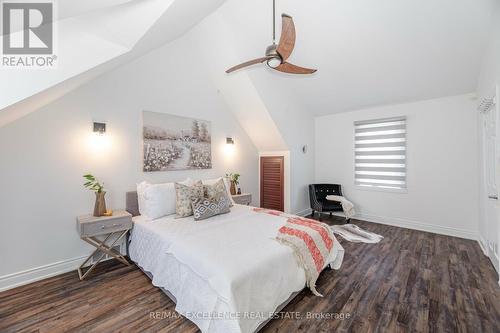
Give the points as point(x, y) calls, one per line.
point(278, 54)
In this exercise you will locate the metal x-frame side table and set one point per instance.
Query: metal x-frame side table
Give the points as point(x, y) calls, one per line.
point(114, 228)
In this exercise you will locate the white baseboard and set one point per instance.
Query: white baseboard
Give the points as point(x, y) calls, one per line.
point(411, 224)
point(482, 244)
point(39, 273)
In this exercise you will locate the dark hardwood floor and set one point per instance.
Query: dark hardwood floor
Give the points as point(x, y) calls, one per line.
point(412, 281)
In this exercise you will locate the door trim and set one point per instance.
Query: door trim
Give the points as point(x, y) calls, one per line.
point(489, 232)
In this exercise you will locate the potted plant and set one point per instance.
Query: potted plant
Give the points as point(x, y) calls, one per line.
point(235, 180)
point(100, 202)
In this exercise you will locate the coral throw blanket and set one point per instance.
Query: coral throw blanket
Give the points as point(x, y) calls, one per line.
point(311, 242)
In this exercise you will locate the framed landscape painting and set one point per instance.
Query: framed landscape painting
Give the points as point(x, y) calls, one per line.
point(175, 143)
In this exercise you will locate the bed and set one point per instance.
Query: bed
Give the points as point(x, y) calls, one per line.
point(225, 274)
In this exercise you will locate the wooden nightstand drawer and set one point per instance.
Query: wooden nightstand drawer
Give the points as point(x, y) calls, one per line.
point(89, 225)
point(99, 228)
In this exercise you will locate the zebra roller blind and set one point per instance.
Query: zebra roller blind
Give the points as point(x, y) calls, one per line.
point(380, 153)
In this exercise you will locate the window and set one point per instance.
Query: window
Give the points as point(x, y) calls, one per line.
point(380, 153)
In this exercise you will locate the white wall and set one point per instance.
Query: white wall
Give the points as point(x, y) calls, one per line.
point(442, 166)
point(45, 154)
point(490, 69)
point(296, 126)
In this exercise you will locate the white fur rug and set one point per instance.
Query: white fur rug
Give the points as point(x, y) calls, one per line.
point(353, 233)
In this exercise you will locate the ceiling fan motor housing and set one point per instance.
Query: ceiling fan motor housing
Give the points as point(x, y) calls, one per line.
point(275, 61)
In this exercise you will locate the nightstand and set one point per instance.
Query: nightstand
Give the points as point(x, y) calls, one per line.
point(243, 199)
point(111, 228)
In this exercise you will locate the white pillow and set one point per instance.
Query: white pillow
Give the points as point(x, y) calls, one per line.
point(156, 200)
point(226, 184)
point(141, 188)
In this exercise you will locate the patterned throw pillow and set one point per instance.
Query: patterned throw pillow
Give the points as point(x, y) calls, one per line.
point(217, 190)
point(203, 208)
point(184, 195)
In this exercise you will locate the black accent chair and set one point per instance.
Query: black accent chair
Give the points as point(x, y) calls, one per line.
point(317, 197)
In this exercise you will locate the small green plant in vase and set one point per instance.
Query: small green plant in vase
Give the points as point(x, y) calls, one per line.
point(91, 183)
point(234, 178)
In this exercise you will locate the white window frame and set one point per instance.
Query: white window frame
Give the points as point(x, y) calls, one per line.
point(379, 188)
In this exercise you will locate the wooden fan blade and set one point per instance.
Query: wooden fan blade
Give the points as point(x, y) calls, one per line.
point(246, 64)
point(292, 69)
point(287, 39)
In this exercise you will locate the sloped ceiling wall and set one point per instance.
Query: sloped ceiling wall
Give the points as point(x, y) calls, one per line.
point(368, 52)
point(96, 37)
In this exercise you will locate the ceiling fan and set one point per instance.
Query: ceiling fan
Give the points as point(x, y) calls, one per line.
point(277, 55)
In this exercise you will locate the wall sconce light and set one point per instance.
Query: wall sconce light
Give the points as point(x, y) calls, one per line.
point(100, 128)
point(98, 142)
point(229, 147)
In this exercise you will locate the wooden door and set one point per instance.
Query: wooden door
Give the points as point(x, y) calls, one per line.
point(272, 182)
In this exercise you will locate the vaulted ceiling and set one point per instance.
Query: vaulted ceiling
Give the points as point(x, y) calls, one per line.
point(95, 37)
point(367, 53)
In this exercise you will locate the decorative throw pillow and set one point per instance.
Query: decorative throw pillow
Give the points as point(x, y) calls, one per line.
point(184, 195)
point(216, 190)
point(227, 185)
point(203, 208)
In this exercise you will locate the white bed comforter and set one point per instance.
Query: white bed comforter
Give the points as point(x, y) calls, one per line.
point(227, 273)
